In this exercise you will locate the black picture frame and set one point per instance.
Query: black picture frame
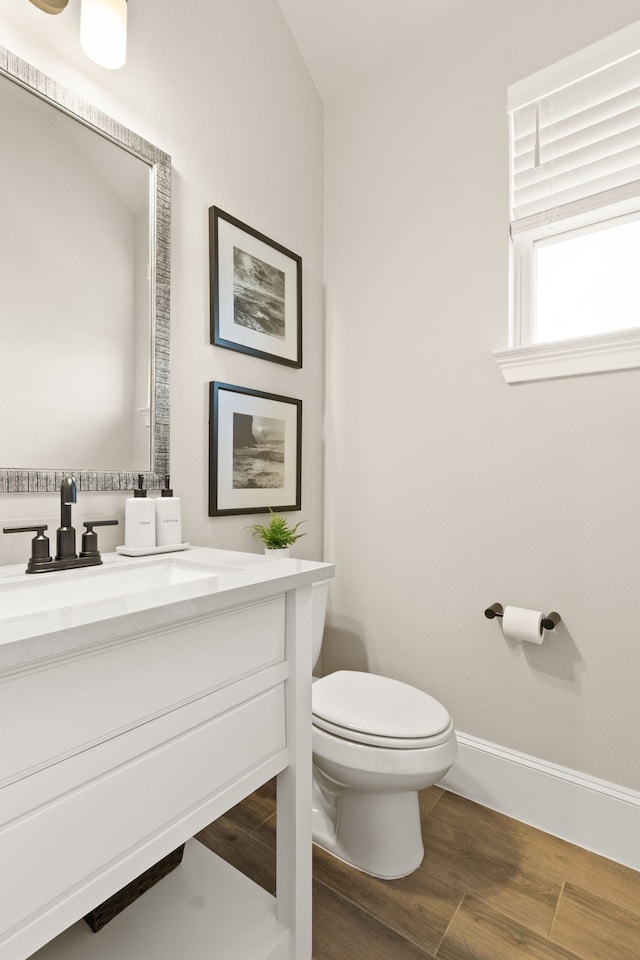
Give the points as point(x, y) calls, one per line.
point(255, 451)
point(255, 292)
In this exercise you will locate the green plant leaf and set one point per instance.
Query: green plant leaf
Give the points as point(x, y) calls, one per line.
point(278, 533)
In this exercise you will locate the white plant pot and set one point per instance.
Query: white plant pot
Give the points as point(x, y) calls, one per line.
point(279, 554)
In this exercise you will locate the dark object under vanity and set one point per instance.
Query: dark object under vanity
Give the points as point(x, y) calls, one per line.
point(115, 904)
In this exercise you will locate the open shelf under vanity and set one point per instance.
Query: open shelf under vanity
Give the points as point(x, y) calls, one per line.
point(203, 908)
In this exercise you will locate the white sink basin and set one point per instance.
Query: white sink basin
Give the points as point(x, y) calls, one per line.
point(27, 595)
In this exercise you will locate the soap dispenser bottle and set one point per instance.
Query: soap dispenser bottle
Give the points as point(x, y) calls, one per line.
point(168, 517)
point(139, 520)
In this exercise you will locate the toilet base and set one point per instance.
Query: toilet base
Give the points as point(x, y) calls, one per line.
point(379, 833)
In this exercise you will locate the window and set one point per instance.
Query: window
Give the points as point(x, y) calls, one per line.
point(587, 281)
point(575, 214)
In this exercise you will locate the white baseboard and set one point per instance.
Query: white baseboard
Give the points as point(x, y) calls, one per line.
point(591, 813)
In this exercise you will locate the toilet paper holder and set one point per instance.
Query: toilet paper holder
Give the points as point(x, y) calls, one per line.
point(549, 621)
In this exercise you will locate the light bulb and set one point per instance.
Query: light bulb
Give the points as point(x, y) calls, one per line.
point(103, 31)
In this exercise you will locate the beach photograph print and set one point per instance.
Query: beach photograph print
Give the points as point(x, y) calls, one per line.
point(258, 295)
point(256, 292)
point(255, 443)
point(258, 452)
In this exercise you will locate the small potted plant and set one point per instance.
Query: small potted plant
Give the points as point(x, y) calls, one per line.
point(278, 536)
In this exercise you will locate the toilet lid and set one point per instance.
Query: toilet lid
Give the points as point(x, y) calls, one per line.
point(369, 707)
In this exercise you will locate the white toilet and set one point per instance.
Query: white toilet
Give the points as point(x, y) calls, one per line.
point(376, 742)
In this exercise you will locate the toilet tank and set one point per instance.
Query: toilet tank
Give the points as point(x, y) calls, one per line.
point(319, 597)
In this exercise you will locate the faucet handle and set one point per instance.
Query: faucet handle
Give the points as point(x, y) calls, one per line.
point(40, 555)
point(90, 538)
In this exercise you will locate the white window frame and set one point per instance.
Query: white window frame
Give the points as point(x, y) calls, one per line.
point(524, 359)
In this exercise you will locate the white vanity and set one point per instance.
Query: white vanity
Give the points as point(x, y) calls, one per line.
point(139, 701)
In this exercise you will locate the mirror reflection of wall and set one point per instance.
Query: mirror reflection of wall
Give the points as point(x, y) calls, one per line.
point(75, 293)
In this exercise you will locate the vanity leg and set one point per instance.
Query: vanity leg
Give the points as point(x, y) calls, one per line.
point(293, 812)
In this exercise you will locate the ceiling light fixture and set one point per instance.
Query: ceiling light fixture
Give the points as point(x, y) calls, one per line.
point(103, 31)
point(50, 6)
point(103, 28)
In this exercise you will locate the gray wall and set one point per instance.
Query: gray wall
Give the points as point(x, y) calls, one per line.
point(448, 489)
point(221, 87)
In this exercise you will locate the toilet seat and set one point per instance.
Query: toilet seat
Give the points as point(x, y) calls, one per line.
point(378, 711)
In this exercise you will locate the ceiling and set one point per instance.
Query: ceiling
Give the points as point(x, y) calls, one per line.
point(341, 39)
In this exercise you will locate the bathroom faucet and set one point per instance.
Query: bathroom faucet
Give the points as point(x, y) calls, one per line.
point(66, 557)
point(66, 535)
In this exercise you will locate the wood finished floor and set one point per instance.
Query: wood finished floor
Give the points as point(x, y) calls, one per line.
point(490, 888)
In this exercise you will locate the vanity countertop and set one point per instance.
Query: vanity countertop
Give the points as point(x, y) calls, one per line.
point(60, 612)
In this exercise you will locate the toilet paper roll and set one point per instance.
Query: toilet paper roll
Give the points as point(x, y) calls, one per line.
point(522, 624)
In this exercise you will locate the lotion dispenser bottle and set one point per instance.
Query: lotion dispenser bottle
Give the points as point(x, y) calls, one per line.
point(139, 520)
point(168, 517)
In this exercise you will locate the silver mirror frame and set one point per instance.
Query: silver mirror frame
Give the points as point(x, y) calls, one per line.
point(38, 481)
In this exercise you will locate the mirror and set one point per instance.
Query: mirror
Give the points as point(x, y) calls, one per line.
point(84, 293)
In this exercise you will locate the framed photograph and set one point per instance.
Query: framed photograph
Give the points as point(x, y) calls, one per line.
point(256, 292)
point(255, 441)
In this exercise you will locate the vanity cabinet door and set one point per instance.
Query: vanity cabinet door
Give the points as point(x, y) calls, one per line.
point(131, 750)
point(76, 832)
point(86, 700)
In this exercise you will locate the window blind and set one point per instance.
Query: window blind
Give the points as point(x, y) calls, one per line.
point(575, 134)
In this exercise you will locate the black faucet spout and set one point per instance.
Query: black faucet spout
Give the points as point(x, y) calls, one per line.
point(66, 535)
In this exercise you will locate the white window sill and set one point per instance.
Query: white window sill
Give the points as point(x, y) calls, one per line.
point(571, 358)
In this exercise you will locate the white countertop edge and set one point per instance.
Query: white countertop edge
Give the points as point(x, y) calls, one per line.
point(254, 577)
